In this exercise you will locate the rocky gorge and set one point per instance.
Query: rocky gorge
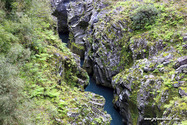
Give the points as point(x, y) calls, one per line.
point(137, 48)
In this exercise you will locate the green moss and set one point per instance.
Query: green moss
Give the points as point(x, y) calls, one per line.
point(133, 107)
point(115, 99)
point(76, 46)
point(71, 37)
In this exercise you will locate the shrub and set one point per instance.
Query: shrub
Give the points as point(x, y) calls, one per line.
point(10, 86)
point(143, 16)
point(17, 54)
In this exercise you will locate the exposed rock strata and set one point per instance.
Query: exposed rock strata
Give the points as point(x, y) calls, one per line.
point(92, 43)
point(64, 64)
point(81, 14)
point(141, 49)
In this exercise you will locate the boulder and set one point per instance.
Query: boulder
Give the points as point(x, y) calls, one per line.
point(143, 48)
point(64, 64)
point(184, 38)
point(85, 113)
point(182, 92)
point(180, 61)
point(185, 41)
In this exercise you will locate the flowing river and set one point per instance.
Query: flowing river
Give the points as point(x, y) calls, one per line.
point(107, 93)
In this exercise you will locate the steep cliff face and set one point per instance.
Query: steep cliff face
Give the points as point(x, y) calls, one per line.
point(93, 36)
point(138, 48)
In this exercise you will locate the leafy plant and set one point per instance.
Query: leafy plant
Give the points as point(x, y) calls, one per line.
point(144, 16)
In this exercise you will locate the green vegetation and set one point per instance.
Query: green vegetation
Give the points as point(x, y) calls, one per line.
point(10, 91)
point(144, 16)
point(31, 55)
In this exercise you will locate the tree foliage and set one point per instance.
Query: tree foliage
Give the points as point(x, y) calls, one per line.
point(143, 16)
point(10, 88)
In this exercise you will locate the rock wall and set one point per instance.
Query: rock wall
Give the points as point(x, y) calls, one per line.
point(146, 68)
point(90, 38)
